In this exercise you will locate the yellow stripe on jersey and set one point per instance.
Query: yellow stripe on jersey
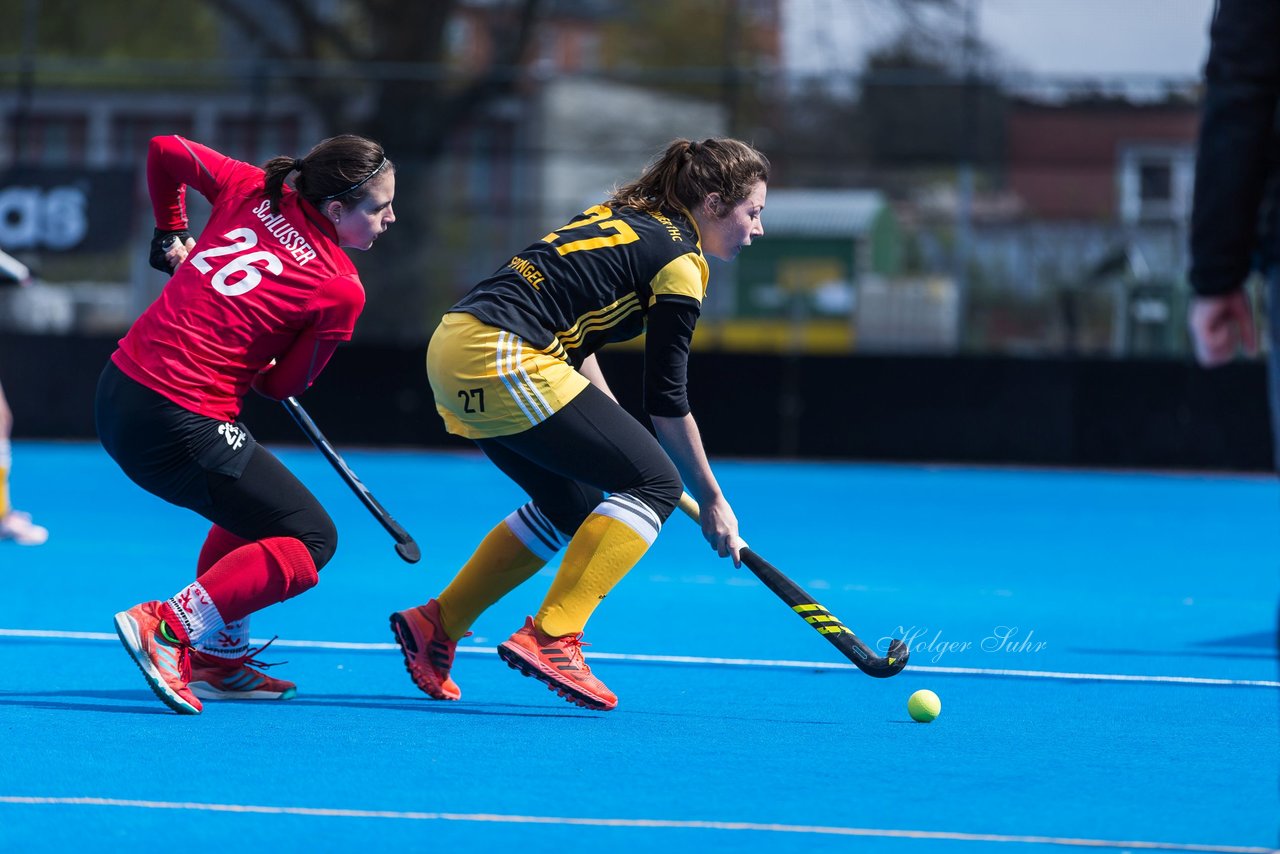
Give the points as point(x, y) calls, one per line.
point(557, 350)
point(685, 276)
point(596, 278)
point(601, 318)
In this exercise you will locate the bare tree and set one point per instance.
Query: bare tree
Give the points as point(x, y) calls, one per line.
point(383, 68)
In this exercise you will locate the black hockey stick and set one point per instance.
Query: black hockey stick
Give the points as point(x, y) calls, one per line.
point(405, 545)
point(823, 621)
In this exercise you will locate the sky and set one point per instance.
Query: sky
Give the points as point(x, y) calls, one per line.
point(1071, 38)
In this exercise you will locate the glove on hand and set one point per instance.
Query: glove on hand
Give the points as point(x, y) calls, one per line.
point(161, 242)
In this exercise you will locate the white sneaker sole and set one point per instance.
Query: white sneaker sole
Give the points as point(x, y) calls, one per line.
point(205, 691)
point(131, 637)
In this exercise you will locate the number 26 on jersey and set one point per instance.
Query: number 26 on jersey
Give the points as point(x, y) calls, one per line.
point(243, 271)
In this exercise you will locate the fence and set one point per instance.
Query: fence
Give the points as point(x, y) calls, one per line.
point(1011, 216)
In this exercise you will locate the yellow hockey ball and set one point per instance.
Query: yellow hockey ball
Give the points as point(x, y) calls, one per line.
point(924, 706)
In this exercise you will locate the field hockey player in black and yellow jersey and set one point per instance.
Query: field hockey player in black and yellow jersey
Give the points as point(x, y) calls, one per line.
point(513, 367)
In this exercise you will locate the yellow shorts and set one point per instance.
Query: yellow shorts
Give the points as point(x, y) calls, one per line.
point(488, 382)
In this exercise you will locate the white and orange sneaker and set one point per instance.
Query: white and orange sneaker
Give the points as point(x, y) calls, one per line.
point(215, 678)
point(558, 663)
point(163, 657)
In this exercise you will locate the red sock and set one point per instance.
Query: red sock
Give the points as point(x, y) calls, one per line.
point(253, 576)
point(217, 545)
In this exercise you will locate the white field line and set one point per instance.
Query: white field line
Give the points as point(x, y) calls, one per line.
point(724, 662)
point(645, 823)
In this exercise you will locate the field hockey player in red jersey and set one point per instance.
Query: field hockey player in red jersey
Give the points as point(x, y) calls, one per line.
point(513, 367)
point(260, 301)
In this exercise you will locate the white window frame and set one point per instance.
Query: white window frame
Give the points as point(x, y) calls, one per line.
point(1181, 161)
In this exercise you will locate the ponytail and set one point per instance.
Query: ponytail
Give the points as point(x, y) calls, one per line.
point(336, 168)
point(277, 169)
point(687, 172)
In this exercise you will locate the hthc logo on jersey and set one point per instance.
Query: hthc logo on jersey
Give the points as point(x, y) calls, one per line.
point(233, 434)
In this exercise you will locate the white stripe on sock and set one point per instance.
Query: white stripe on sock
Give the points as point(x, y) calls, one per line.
point(633, 513)
point(536, 531)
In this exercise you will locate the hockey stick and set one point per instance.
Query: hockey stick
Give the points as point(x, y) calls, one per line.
point(823, 621)
point(405, 545)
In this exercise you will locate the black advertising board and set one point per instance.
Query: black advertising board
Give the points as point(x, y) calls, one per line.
point(65, 210)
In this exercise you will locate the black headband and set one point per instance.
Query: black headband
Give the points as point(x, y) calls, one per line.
point(357, 185)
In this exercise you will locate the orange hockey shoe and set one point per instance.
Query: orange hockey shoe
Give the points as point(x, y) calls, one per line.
point(428, 651)
point(214, 678)
point(558, 663)
point(163, 658)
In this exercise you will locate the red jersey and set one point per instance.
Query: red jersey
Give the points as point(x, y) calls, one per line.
point(253, 283)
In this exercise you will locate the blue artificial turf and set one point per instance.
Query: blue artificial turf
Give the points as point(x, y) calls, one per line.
point(1092, 575)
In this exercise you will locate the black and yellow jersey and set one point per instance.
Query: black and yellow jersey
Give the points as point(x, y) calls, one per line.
point(594, 281)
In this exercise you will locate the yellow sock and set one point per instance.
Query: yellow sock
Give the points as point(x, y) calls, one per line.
point(601, 552)
point(501, 563)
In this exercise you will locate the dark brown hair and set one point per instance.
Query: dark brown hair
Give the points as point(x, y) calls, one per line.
point(336, 168)
point(688, 172)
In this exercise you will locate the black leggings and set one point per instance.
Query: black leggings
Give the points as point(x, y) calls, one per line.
point(213, 467)
point(590, 447)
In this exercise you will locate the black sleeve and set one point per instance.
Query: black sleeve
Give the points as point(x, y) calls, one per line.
point(1238, 127)
point(666, 355)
